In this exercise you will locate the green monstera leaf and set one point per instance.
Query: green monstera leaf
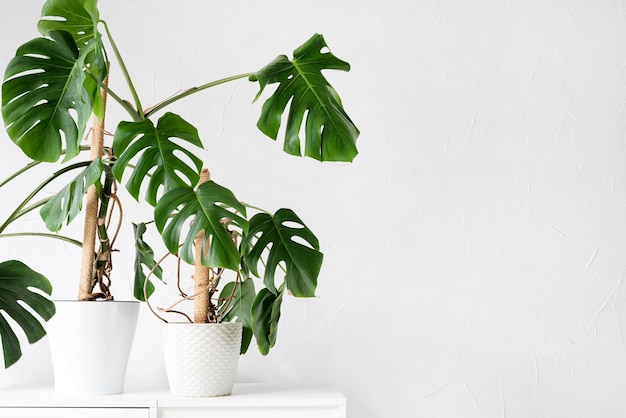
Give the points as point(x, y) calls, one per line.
point(265, 316)
point(330, 134)
point(67, 203)
point(157, 153)
point(207, 208)
point(42, 89)
point(16, 281)
point(144, 257)
point(286, 239)
point(240, 308)
point(78, 17)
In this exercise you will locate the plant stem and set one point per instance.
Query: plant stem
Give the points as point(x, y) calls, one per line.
point(193, 90)
point(20, 171)
point(45, 235)
point(103, 257)
point(123, 69)
point(30, 165)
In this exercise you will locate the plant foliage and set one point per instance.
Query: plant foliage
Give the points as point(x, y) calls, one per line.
point(16, 282)
point(54, 84)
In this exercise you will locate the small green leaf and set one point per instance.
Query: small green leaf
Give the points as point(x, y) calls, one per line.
point(240, 308)
point(206, 207)
point(158, 160)
point(330, 134)
point(265, 316)
point(144, 257)
point(286, 239)
point(16, 281)
point(67, 203)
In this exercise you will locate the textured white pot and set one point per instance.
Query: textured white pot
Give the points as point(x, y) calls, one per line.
point(201, 359)
point(90, 343)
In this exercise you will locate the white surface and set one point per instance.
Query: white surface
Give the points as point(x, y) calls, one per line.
point(474, 251)
point(75, 413)
point(258, 400)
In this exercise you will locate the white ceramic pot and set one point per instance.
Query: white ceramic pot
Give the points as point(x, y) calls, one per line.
point(201, 359)
point(90, 343)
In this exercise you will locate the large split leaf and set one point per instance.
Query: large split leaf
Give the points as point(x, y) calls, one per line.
point(284, 238)
point(42, 89)
point(68, 202)
point(144, 257)
point(330, 134)
point(80, 18)
point(205, 208)
point(240, 308)
point(157, 154)
point(265, 316)
point(16, 281)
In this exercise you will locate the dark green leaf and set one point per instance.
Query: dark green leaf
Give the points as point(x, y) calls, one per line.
point(43, 87)
point(206, 207)
point(284, 238)
point(16, 281)
point(67, 203)
point(78, 17)
point(265, 316)
point(330, 134)
point(240, 308)
point(144, 257)
point(157, 155)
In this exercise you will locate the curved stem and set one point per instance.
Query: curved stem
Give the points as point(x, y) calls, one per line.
point(20, 172)
point(18, 210)
point(191, 91)
point(255, 207)
point(45, 235)
point(32, 207)
point(33, 164)
point(125, 105)
point(124, 69)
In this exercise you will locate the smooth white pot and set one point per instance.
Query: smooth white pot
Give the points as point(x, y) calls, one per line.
point(90, 343)
point(201, 359)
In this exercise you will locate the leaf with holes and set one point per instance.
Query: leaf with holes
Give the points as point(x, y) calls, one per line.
point(284, 238)
point(80, 18)
point(157, 155)
point(206, 207)
point(16, 282)
point(68, 202)
point(42, 89)
point(330, 134)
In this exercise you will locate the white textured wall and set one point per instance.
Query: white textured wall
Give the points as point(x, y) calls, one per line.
point(474, 249)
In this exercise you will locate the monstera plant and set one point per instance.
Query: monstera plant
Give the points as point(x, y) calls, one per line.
point(57, 82)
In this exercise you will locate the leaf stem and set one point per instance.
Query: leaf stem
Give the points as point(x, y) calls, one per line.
point(124, 71)
point(191, 91)
point(42, 234)
point(33, 164)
